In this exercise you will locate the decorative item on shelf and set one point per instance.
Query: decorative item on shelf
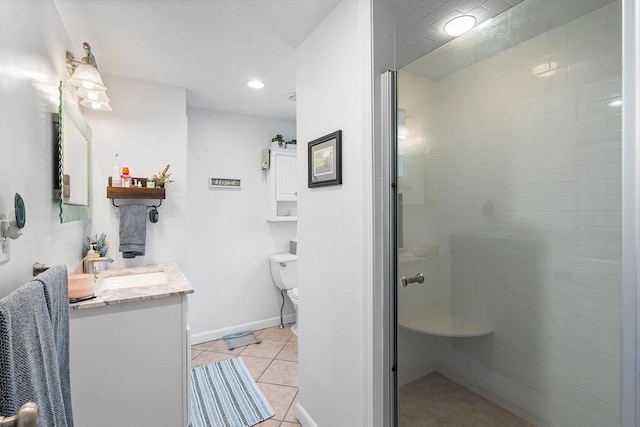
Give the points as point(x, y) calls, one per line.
point(98, 243)
point(277, 141)
point(292, 142)
point(162, 178)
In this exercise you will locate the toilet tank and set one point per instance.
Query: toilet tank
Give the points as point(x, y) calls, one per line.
point(284, 270)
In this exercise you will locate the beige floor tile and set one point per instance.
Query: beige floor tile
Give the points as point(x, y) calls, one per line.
point(201, 346)
point(281, 372)
point(220, 346)
point(434, 400)
point(291, 413)
point(409, 421)
point(255, 365)
point(289, 352)
point(288, 424)
point(195, 353)
point(293, 338)
point(276, 334)
point(267, 349)
point(269, 423)
point(207, 357)
point(279, 397)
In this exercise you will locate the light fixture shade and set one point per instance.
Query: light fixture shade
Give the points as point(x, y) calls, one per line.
point(459, 25)
point(88, 77)
point(92, 95)
point(96, 105)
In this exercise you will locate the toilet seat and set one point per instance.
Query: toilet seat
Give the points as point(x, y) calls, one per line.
point(293, 294)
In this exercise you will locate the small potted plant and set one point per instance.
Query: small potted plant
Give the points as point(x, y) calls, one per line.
point(293, 142)
point(277, 141)
point(162, 178)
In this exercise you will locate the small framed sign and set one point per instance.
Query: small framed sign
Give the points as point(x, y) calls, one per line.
point(225, 183)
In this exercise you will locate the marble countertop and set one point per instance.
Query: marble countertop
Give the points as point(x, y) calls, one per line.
point(177, 284)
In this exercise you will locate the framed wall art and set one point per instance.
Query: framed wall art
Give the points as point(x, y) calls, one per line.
point(325, 160)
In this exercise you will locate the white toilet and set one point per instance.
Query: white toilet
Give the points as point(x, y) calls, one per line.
point(284, 272)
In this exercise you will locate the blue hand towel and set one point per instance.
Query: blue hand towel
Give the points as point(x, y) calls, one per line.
point(56, 294)
point(28, 356)
point(133, 230)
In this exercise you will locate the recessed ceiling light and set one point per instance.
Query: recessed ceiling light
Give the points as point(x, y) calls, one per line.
point(459, 25)
point(255, 84)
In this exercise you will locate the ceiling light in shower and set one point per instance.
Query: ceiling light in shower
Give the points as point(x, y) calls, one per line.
point(459, 25)
point(545, 70)
point(256, 84)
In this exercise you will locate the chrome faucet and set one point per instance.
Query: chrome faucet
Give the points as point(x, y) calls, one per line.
point(93, 268)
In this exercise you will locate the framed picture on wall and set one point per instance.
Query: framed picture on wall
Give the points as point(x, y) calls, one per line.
point(325, 160)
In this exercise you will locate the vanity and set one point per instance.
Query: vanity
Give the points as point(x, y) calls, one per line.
point(129, 350)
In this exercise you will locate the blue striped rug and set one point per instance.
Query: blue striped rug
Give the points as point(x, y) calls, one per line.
point(223, 394)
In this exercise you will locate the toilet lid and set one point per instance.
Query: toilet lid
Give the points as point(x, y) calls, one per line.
point(293, 292)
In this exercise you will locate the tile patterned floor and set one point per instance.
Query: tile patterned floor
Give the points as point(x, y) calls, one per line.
point(273, 364)
point(436, 401)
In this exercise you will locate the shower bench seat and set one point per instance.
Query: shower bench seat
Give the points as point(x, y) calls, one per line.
point(435, 321)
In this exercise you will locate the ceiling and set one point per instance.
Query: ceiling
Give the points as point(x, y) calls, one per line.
point(210, 47)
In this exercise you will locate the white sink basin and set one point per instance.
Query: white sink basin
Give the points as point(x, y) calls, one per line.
point(134, 280)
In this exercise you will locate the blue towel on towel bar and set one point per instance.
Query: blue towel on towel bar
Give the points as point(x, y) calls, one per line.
point(28, 356)
point(133, 230)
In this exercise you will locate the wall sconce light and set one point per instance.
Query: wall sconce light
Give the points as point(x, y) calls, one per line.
point(86, 77)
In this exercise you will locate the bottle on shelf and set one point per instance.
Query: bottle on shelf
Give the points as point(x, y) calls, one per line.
point(115, 177)
point(126, 178)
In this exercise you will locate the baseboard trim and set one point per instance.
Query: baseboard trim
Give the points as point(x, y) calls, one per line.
point(303, 417)
point(216, 334)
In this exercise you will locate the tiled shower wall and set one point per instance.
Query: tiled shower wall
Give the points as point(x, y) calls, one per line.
point(528, 205)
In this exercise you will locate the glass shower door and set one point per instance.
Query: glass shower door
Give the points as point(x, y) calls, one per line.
point(508, 164)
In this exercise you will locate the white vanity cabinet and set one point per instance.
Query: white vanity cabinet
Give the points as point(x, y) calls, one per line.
point(130, 357)
point(282, 190)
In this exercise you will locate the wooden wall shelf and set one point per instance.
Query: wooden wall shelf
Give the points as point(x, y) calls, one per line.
point(135, 192)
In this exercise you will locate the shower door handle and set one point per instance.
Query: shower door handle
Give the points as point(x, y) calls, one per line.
point(406, 281)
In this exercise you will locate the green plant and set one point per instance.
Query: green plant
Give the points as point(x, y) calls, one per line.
point(99, 244)
point(279, 139)
point(293, 141)
point(163, 177)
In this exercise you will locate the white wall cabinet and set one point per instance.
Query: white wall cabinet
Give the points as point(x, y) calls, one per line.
point(282, 189)
point(130, 364)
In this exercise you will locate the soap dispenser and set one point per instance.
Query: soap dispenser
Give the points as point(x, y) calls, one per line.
point(91, 254)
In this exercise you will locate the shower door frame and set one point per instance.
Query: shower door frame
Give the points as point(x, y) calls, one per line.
point(385, 214)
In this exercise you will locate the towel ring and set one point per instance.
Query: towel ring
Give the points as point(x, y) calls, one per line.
point(113, 202)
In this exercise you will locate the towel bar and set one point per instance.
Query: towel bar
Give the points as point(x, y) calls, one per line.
point(149, 207)
point(27, 416)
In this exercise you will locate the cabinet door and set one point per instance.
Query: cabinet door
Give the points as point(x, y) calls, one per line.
point(286, 188)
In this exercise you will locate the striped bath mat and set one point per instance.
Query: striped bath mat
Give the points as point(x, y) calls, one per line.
point(223, 394)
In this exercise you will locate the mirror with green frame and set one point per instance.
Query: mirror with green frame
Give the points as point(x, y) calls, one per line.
point(73, 180)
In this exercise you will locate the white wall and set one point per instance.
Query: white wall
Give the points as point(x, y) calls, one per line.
point(33, 42)
point(148, 130)
point(333, 69)
point(229, 238)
